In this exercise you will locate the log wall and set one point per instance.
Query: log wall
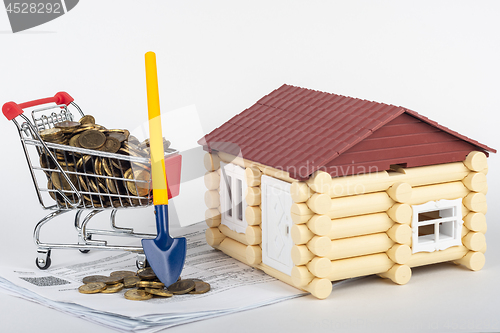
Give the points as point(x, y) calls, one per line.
point(356, 225)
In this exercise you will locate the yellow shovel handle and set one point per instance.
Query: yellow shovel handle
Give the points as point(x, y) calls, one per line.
point(160, 192)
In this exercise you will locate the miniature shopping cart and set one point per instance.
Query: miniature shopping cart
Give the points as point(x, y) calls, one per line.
point(86, 188)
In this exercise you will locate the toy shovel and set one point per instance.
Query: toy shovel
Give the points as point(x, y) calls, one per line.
point(166, 255)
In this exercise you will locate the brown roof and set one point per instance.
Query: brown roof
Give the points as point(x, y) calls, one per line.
point(301, 130)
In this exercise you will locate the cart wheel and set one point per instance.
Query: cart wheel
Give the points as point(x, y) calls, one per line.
point(141, 265)
point(86, 251)
point(45, 266)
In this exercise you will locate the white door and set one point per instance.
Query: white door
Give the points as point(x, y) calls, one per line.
point(276, 224)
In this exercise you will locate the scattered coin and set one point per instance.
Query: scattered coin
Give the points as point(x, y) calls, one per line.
point(159, 292)
point(130, 281)
point(137, 295)
point(150, 284)
point(113, 280)
point(113, 288)
point(92, 288)
point(93, 278)
point(146, 273)
point(200, 288)
point(122, 273)
point(182, 287)
point(145, 284)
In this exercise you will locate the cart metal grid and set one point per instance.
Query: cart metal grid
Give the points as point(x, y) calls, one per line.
point(81, 186)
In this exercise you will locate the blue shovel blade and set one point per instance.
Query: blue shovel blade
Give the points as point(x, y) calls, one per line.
point(166, 255)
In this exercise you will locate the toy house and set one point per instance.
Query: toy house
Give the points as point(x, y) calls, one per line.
point(313, 187)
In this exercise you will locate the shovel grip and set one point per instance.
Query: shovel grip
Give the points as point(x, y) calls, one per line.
point(158, 175)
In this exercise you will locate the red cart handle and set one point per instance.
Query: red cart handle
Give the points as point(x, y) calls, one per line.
point(11, 109)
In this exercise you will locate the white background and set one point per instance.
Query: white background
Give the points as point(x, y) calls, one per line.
point(439, 58)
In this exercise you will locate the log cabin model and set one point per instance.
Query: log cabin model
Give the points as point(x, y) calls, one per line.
point(313, 187)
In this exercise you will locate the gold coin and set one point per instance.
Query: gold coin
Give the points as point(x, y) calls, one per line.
point(84, 164)
point(50, 132)
point(139, 188)
point(132, 139)
point(110, 184)
point(159, 292)
point(137, 295)
point(146, 274)
point(74, 141)
point(122, 273)
point(200, 287)
point(67, 126)
point(113, 288)
point(150, 284)
point(87, 119)
point(98, 167)
point(130, 281)
point(46, 162)
point(113, 279)
point(92, 288)
point(112, 145)
point(92, 139)
point(108, 168)
point(120, 164)
point(120, 135)
point(182, 287)
point(60, 182)
point(93, 278)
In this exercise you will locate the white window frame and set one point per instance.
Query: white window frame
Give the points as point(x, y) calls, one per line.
point(229, 203)
point(447, 228)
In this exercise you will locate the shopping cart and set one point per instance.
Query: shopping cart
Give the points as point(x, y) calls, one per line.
point(88, 179)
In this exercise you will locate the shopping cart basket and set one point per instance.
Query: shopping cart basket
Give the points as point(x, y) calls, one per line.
point(87, 179)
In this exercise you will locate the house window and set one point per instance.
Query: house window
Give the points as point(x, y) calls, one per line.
point(233, 203)
point(437, 225)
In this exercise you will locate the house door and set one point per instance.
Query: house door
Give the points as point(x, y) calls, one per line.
point(276, 224)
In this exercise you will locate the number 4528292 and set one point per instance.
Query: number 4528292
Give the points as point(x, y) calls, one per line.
point(32, 8)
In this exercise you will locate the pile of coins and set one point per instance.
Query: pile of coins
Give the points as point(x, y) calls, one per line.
point(126, 183)
point(145, 285)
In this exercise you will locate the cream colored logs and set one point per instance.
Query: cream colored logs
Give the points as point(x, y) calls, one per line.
point(360, 225)
point(349, 226)
point(240, 237)
point(234, 249)
point(360, 205)
point(212, 217)
point(253, 176)
point(211, 161)
point(253, 212)
point(436, 192)
point(476, 161)
point(383, 180)
point(475, 220)
point(341, 248)
point(359, 266)
point(427, 258)
point(399, 274)
point(253, 254)
point(266, 170)
point(212, 181)
point(253, 215)
point(472, 260)
point(300, 192)
point(214, 236)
